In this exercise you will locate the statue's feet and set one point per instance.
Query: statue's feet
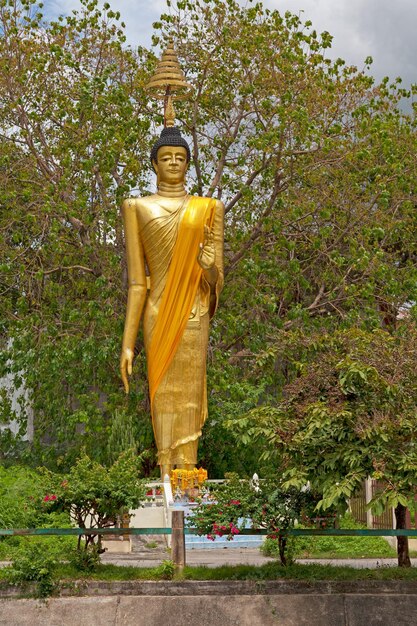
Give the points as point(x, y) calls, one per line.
point(165, 470)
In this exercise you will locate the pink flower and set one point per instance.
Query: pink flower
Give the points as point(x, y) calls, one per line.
point(49, 498)
point(273, 535)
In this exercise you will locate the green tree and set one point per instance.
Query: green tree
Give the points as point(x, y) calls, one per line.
point(121, 436)
point(314, 162)
point(348, 413)
point(74, 132)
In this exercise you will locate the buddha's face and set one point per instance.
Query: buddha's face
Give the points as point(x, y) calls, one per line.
point(171, 164)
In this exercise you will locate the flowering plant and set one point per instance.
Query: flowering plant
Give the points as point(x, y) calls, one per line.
point(95, 496)
point(238, 503)
point(224, 512)
point(217, 519)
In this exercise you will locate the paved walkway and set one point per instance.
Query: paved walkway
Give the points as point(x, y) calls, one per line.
point(241, 556)
point(210, 558)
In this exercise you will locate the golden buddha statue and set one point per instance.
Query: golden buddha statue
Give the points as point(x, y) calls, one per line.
point(179, 239)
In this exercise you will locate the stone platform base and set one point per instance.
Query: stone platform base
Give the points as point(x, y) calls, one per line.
point(229, 603)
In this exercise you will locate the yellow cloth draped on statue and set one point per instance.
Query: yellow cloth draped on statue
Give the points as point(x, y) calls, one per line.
point(176, 323)
point(184, 277)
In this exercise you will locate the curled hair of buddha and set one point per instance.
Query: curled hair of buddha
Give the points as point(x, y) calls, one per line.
point(170, 136)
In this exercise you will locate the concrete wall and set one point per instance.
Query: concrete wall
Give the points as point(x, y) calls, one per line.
point(218, 603)
point(148, 517)
point(20, 405)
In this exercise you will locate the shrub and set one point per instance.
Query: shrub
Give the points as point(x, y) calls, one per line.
point(266, 505)
point(166, 570)
point(32, 563)
point(95, 496)
point(20, 492)
point(87, 559)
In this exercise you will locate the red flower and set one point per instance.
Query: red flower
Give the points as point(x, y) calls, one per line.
point(273, 535)
point(48, 498)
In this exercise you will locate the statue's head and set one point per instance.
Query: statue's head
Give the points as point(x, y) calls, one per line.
point(170, 136)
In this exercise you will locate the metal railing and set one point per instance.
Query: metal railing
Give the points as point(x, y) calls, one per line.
point(290, 532)
point(178, 532)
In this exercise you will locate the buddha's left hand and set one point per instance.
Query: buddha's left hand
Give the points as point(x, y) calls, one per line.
point(207, 254)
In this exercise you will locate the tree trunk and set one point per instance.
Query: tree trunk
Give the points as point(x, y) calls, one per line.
point(403, 552)
point(282, 543)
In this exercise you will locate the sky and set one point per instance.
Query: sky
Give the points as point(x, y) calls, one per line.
point(383, 29)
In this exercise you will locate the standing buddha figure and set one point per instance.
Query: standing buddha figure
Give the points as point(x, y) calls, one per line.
point(178, 238)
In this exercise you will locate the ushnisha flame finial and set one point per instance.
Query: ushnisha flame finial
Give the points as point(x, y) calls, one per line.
point(168, 83)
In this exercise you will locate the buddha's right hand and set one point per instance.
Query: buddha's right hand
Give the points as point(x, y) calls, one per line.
point(126, 361)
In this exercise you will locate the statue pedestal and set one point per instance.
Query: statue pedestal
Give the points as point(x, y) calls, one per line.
point(117, 545)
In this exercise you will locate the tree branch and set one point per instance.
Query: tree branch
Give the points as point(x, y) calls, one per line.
point(72, 267)
point(248, 183)
point(258, 228)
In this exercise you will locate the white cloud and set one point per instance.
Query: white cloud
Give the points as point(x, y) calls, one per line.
point(382, 29)
point(138, 15)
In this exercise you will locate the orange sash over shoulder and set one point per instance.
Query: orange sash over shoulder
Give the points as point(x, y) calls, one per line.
point(183, 279)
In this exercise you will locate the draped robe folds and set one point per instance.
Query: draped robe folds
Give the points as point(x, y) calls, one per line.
point(179, 396)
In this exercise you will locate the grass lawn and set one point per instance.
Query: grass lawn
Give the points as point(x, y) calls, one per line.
point(322, 547)
point(343, 548)
point(270, 571)
point(304, 547)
